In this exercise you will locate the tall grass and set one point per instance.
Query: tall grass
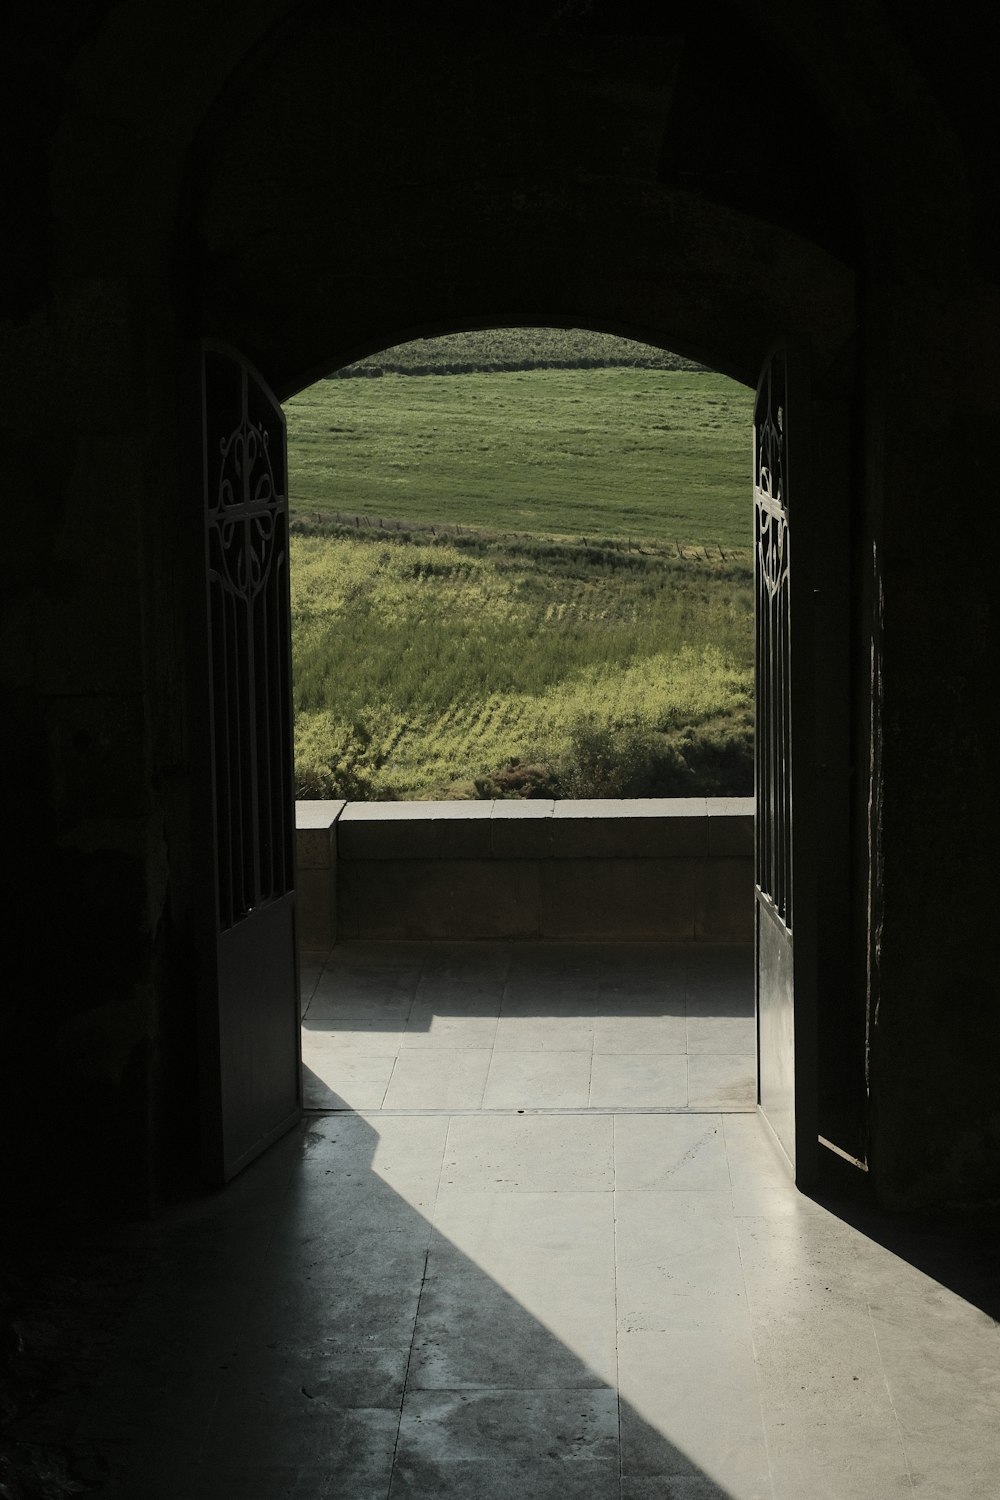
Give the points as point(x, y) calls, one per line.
point(424, 669)
point(525, 582)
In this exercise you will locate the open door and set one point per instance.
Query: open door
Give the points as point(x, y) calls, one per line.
point(248, 958)
point(785, 897)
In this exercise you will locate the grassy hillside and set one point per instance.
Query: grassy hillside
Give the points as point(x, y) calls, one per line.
point(659, 456)
point(523, 582)
point(484, 350)
point(444, 668)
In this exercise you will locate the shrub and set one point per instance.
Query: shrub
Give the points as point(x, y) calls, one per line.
point(607, 760)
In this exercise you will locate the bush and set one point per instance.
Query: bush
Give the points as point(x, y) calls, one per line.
point(634, 760)
point(608, 760)
point(519, 778)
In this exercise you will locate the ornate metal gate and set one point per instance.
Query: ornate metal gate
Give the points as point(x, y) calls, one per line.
point(784, 863)
point(772, 563)
point(250, 1027)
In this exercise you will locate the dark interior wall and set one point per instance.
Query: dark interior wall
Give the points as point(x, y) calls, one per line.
point(308, 192)
point(936, 1018)
point(104, 102)
point(361, 187)
point(907, 96)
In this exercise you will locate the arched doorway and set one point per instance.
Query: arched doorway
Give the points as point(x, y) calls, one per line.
point(311, 242)
point(788, 976)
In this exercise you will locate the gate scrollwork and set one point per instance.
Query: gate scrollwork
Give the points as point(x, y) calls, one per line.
point(773, 647)
point(247, 557)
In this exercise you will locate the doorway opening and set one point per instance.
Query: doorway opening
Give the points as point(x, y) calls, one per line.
point(522, 568)
point(522, 582)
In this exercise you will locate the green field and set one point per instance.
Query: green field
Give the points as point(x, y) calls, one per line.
point(522, 583)
point(655, 455)
point(481, 350)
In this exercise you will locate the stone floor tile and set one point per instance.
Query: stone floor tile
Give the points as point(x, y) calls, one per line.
point(732, 1034)
point(722, 1081)
point(829, 1415)
point(151, 1479)
point(383, 953)
point(719, 961)
point(369, 985)
point(858, 1464)
point(490, 1427)
point(545, 1003)
point(334, 1079)
point(356, 1368)
point(663, 959)
point(472, 1333)
point(657, 1153)
point(538, 1080)
point(529, 1153)
point(720, 979)
point(404, 1153)
point(724, 999)
point(263, 1447)
point(678, 1263)
point(754, 1156)
point(677, 1487)
point(570, 1033)
point(560, 957)
point(472, 1023)
point(816, 1262)
point(141, 1400)
point(327, 1217)
point(644, 1080)
point(531, 1243)
point(310, 970)
point(123, 1471)
point(372, 1014)
point(941, 1358)
point(438, 1078)
point(539, 1478)
point(690, 1406)
point(339, 1305)
point(629, 1032)
point(623, 992)
point(537, 992)
point(326, 1043)
point(479, 962)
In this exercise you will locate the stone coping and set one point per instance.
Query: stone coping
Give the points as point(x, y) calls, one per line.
point(607, 828)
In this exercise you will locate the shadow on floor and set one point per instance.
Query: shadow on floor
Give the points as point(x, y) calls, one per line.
point(958, 1254)
point(309, 1335)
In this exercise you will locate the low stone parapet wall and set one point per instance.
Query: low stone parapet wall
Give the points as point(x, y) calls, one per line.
point(645, 869)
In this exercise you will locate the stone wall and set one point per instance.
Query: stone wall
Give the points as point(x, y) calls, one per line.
point(666, 870)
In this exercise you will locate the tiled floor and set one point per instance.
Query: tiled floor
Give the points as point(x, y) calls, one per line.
point(550, 1026)
point(566, 1304)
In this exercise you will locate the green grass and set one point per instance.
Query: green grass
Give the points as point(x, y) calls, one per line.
point(522, 583)
point(659, 456)
point(484, 349)
point(423, 667)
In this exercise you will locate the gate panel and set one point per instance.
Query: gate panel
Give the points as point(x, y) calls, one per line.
point(249, 1005)
point(784, 765)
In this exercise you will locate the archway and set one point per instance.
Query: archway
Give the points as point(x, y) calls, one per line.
point(653, 447)
point(616, 244)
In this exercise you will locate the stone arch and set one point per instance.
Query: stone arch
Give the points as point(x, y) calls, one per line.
point(439, 208)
